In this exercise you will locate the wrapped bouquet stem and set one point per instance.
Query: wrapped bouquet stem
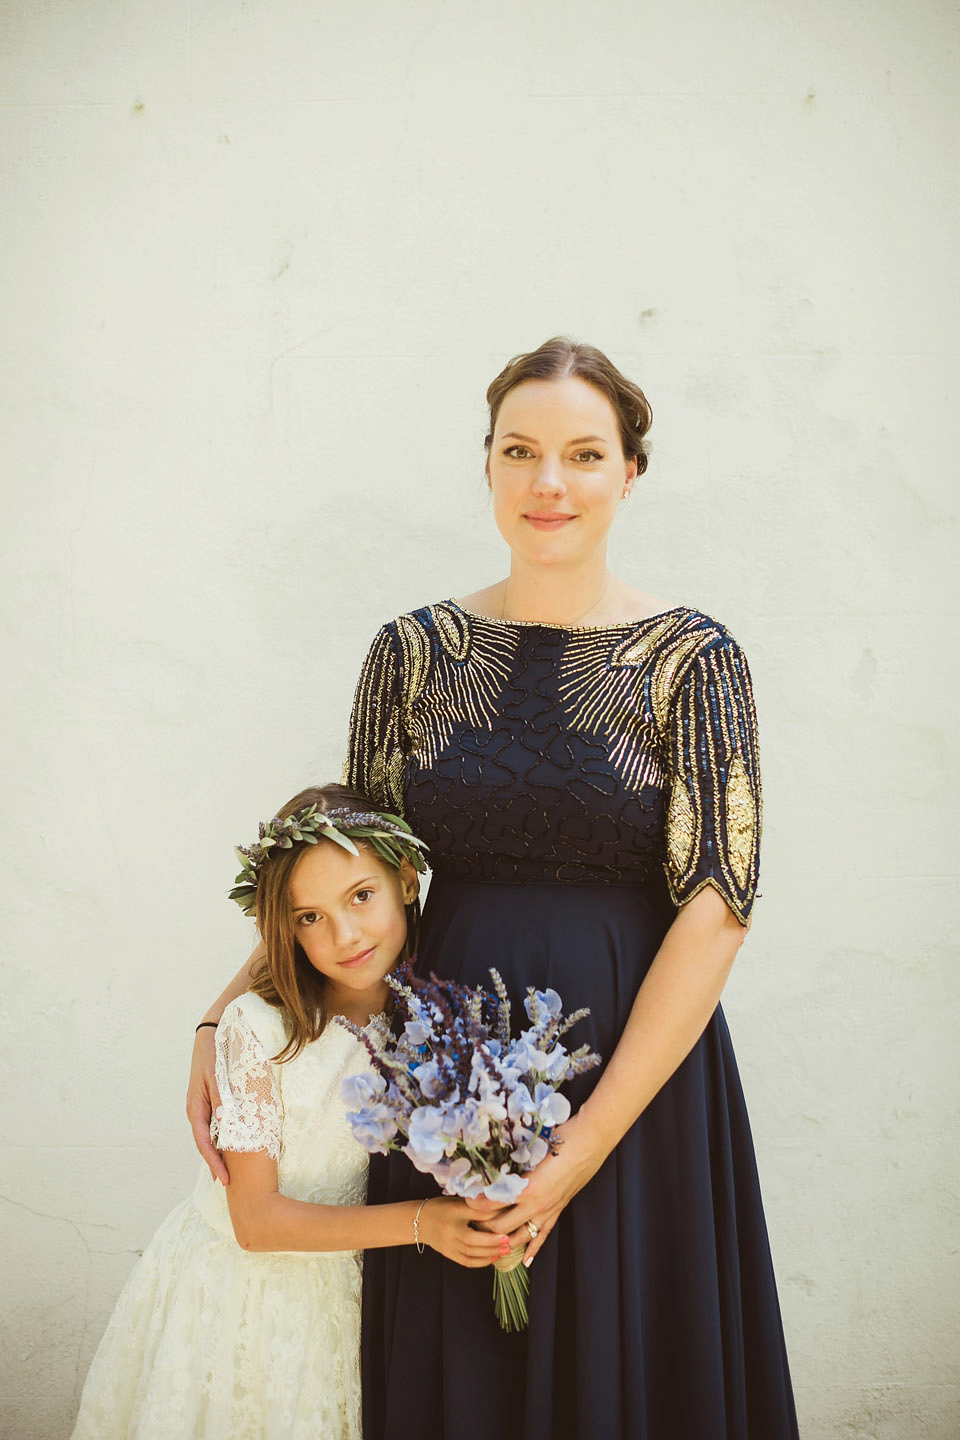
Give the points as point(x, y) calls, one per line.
point(465, 1101)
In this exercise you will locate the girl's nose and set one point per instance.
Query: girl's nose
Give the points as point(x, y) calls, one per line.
point(346, 929)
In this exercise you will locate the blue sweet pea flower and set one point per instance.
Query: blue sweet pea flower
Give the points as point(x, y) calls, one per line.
point(542, 1004)
point(506, 1188)
point(358, 1090)
point(374, 1127)
point(521, 1105)
point(552, 1108)
point(430, 1079)
point(427, 1139)
point(531, 1150)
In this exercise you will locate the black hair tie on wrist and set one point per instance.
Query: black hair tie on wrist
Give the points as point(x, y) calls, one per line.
point(212, 1023)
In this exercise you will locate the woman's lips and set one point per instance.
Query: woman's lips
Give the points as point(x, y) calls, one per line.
point(356, 960)
point(548, 520)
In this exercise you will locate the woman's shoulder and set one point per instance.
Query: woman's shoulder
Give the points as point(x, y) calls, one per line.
point(673, 638)
point(440, 625)
point(687, 622)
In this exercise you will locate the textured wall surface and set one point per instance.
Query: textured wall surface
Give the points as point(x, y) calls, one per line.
point(260, 261)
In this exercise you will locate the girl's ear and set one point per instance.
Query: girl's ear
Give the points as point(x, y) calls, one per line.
point(409, 882)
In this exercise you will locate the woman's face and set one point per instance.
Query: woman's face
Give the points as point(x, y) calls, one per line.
point(348, 914)
point(557, 471)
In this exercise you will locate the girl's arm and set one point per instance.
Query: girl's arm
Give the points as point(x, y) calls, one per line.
point(203, 1097)
point(678, 995)
point(263, 1219)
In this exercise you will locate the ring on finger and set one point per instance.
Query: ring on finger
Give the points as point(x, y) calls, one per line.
point(533, 1229)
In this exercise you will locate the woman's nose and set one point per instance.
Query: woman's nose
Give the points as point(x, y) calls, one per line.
point(549, 477)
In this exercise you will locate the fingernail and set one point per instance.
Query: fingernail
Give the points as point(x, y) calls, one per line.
point(528, 1262)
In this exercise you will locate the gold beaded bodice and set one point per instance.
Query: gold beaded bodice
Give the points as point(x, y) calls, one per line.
point(622, 754)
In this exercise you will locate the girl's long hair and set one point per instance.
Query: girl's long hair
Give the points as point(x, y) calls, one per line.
point(284, 976)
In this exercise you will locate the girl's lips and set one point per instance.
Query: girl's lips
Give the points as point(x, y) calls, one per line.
point(356, 960)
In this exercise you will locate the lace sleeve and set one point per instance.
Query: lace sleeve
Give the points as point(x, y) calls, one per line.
point(714, 812)
point(250, 1112)
point(375, 758)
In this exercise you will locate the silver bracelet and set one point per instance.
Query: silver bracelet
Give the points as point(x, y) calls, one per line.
point(416, 1228)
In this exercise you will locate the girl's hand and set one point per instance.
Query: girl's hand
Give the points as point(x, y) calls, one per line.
point(446, 1226)
point(551, 1187)
point(202, 1099)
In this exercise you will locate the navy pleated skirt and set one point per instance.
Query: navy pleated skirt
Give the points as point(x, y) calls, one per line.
point(653, 1303)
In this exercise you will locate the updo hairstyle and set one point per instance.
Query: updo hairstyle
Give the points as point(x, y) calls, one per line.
point(559, 357)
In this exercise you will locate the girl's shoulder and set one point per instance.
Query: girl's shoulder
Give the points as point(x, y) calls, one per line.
point(252, 1015)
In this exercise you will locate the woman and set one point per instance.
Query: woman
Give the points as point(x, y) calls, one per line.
point(582, 762)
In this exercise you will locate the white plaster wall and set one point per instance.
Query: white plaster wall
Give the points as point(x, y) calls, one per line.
point(260, 261)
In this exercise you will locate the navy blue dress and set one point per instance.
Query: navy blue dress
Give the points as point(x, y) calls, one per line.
point(575, 786)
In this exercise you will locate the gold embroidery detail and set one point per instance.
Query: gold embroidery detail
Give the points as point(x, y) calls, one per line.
point(459, 692)
point(741, 820)
point(666, 671)
point(415, 648)
point(453, 631)
point(681, 828)
point(604, 687)
point(637, 648)
point(375, 759)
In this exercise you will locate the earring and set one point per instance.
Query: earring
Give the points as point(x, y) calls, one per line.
point(626, 492)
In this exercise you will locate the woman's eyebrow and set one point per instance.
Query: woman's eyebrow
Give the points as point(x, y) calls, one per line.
point(581, 439)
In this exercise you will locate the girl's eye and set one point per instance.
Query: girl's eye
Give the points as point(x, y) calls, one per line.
point(363, 896)
point(588, 456)
point(310, 917)
point(517, 452)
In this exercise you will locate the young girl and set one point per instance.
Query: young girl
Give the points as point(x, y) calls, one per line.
point(242, 1319)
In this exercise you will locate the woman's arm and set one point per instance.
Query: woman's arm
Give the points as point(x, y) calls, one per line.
point(678, 995)
point(263, 1219)
point(203, 1097)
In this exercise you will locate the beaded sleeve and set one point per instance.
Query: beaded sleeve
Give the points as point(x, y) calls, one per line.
point(375, 756)
point(714, 811)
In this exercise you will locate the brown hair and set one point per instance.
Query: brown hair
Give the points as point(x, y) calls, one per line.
point(559, 357)
point(284, 976)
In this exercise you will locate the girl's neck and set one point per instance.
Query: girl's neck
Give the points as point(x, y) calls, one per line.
point(358, 1006)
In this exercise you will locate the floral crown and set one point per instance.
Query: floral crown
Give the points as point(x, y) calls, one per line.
point(389, 836)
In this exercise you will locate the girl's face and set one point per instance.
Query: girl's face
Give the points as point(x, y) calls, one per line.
point(348, 916)
point(557, 471)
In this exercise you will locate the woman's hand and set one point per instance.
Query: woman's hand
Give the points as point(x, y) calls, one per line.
point(203, 1097)
point(446, 1225)
point(673, 1005)
point(551, 1187)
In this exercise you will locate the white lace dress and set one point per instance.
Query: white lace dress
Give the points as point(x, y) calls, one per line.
point(209, 1340)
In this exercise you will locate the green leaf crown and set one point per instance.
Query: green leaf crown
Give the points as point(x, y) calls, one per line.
point(387, 835)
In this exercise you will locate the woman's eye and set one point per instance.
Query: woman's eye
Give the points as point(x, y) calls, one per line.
point(363, 896)
point(517, 452)
point(588, 456)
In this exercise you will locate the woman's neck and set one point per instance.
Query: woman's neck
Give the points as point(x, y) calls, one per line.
point(555, 596)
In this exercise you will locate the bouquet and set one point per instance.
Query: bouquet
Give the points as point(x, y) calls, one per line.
point(465, 1102)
